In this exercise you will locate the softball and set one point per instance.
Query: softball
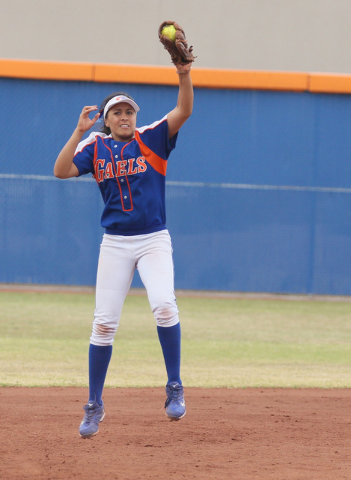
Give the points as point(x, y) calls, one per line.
point(169, 31)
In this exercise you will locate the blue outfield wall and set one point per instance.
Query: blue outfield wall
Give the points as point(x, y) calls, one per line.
point(258, 188)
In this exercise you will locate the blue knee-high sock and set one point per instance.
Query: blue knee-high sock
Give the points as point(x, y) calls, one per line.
point(170, 340)
point(99, 359)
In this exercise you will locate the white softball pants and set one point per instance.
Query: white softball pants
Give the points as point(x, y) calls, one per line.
point(119, 256)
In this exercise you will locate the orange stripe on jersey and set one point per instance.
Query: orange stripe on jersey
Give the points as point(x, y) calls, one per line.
point(94, 162)
point(157, 163)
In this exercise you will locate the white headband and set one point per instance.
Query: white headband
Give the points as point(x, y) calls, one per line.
point(120, 99)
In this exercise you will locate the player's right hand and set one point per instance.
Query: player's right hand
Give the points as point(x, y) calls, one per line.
point(85, 122)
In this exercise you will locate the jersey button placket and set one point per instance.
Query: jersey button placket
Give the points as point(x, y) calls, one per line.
point(124, 189)
point(125, 194)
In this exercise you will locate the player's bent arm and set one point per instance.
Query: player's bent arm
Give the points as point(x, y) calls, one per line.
point(64, 166)
point(177, 117)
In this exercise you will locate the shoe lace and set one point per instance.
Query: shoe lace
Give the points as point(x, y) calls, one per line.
point(174, 394)
point(89, 413)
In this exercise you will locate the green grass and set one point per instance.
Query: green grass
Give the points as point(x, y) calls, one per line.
point(44, 339)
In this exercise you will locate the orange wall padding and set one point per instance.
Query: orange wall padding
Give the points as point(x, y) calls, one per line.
point(157, 75)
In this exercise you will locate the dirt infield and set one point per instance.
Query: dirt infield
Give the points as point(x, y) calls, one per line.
point(279, 434)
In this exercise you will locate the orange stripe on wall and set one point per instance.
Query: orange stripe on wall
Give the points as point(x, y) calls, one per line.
point(136, 74)
point(159, 75)
point(329, 83)
point(211, 78)
point(202, 77)
point(46, 70)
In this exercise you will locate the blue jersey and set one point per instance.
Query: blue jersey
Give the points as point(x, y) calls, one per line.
point(131, 177)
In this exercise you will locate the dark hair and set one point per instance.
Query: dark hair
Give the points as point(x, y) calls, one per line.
point(105, 129)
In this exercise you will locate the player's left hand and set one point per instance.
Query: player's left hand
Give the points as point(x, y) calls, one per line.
point(183, 68)
point(177, 47)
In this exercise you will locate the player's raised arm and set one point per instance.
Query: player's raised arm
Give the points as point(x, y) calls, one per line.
point(172, 37)
point(64, 166)
point(184, 107)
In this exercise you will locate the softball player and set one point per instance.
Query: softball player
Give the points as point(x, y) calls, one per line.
point(129, 165)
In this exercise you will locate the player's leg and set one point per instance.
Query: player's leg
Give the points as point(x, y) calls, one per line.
point(155, 266)
point(115, 273)
point(156, 271)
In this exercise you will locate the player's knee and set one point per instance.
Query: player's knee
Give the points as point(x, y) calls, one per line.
point(166, 315)
point(103, 334)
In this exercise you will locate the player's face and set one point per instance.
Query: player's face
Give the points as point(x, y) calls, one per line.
point(121, 120)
